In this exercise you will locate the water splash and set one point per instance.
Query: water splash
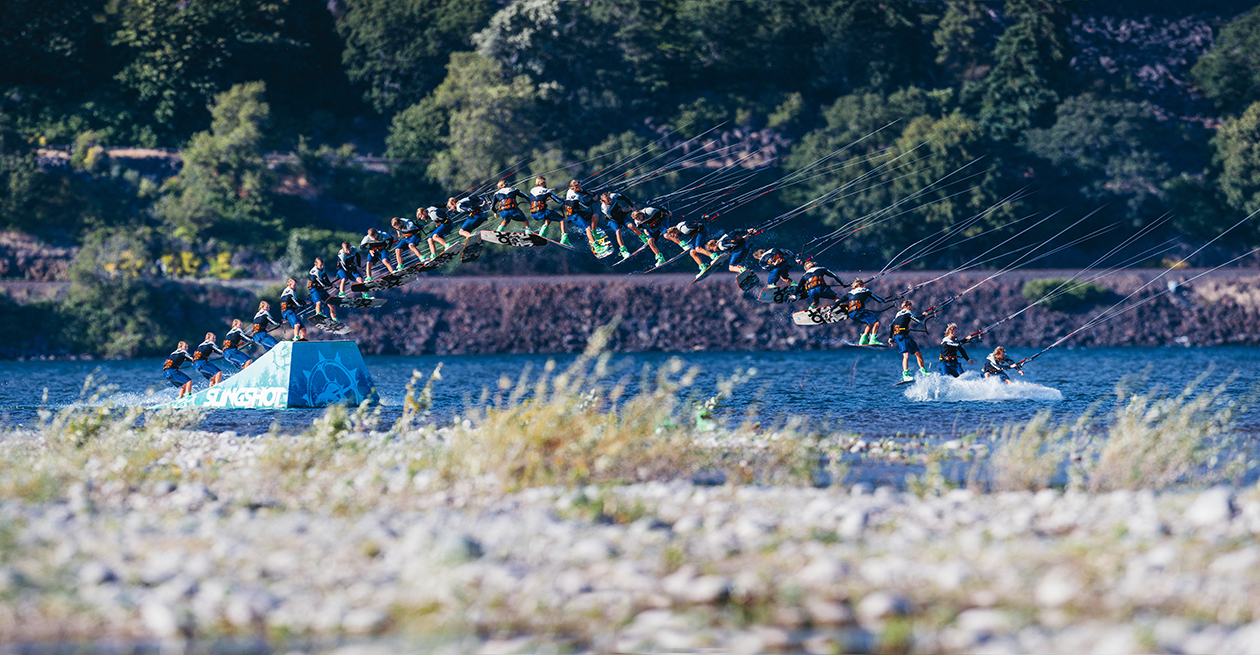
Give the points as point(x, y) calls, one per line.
point(972, 387)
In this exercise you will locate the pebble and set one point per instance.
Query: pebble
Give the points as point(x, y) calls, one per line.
point(880, 605)
point(225, 550)
point(1211, 507)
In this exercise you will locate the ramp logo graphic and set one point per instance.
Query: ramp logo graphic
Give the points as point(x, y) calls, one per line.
point(329, 382)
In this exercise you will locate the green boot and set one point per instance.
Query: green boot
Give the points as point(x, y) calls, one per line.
point(564, 240)
point(660, 259)
point(625, 254)
point(906, 377)
point(864, 340)
point(924, 372)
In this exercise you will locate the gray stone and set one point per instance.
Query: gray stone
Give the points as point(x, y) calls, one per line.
point(880, 605)
point(853, 524)
point(163, 620)
point(1057, 587)
point(1216, 505)
point(95, 573)
point(456, 548)
point(365, 621)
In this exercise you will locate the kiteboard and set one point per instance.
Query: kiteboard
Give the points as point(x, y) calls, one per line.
point(898, 384)
point(714, 263)
point(327, 324)
point(632, 255)
point(567, 246)
point(747, 280)
point(356, 303)
point(471, 249)
point(669, 261)
point(442, 259)
point(601, 247)
point(387, 281)
point(515, 239)
point(778, 295)
point(819, 315)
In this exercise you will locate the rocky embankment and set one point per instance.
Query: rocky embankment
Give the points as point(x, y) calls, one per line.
point(667, 313)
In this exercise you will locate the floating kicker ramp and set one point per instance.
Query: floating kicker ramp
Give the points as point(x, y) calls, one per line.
point(293, 374)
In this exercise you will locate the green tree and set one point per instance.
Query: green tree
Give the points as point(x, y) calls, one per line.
point(868, 126)
point(1229, 73)
point(397, 48)
point(223, 190)
point(878, 45)
point(1111, 150)
point(418, 132)
point(491, 124)
point(595, 64)
point(20, 178)
point(748, 45)
point(1238, 158)
point(1031, 67)
point(55, 45)
point(180, 54)
point(962, 39)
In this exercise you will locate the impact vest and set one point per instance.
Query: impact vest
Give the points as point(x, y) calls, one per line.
point(235, 337)
point(203, 351)
point(176, 360)
point(263, 321)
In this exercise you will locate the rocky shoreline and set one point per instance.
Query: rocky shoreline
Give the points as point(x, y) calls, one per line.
point(668, 313)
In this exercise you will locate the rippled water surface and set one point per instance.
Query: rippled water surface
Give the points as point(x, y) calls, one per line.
point(848, 388)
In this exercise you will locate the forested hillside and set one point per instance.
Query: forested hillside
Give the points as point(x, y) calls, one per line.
point(1145, 111)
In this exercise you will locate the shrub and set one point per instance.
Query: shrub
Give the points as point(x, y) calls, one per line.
point(1064, 295)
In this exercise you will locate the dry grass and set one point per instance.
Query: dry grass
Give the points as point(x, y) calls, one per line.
point(1157, 440)
point(1150, 440)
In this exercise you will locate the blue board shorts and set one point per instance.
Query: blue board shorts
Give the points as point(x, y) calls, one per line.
point(699, 238)
point(548, 215)
point(780, 272)
point(317, 294)
point(343, 275)
point(582, 222)
point(906, 344)
point(236, 357)
point(376, 255)
point(442, 230)
point(292, 317)
point(472, 222)
point(409, 240)
point(818, 293)
point(952, 369)
point(738, 254)
point(265, 340)
point(999, 374)
point(176, 377)
point(864, 316)
point(206, 368)
point(509, 215)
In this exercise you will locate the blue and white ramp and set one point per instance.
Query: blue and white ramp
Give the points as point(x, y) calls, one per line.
point(293, 374)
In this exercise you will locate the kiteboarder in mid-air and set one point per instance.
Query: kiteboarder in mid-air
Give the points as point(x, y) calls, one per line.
point(856, 301)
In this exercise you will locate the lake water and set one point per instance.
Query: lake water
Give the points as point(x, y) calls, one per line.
point(849, 389)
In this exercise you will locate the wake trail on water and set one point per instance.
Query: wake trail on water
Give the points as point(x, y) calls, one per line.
point(972, 387)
